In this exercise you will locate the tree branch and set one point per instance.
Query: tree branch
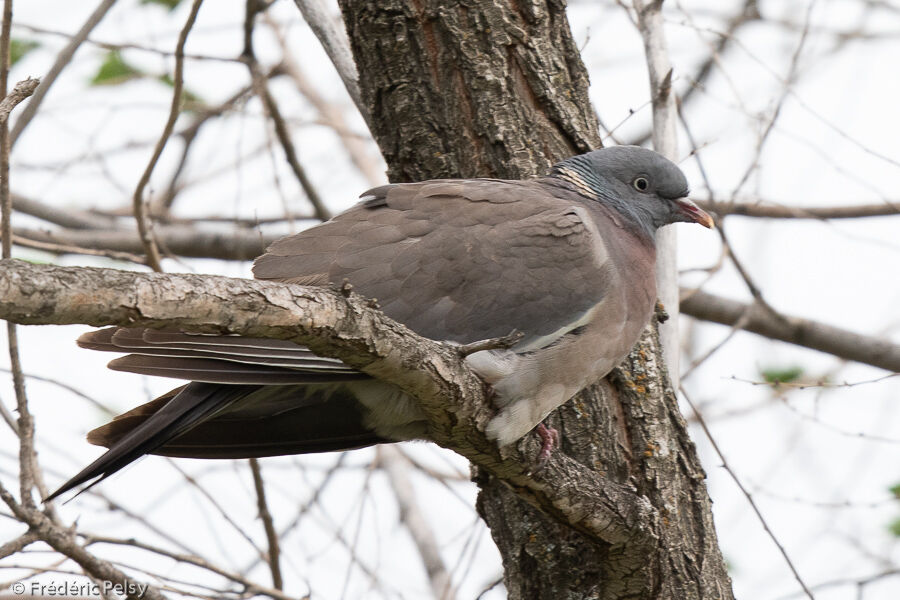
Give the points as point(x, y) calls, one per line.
point(395, 465)
point(810, 334)
point(181, 240)
point(148, 239)
point(330, 324)
point(62, 60)
point(22, 90)
point(665, 141)
point(753, 209)
point(274, 553)
point(63, 542)
point(69, 216)
point(333, 38)
point(260, 85)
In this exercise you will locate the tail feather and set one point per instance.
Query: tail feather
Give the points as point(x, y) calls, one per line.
point(193, 404)
point(205, 420)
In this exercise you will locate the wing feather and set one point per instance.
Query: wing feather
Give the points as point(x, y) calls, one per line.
point(459, 260)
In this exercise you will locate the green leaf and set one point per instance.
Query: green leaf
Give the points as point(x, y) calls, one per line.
point(169, 4)
point(895, 527)
point(782, 374)
point(189, 100)
point(19, 48)
point(115, 70)
point(895, 490)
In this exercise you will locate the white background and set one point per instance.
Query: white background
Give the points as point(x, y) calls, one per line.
point(818, 462)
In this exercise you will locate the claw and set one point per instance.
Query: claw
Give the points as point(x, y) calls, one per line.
point(549, 439)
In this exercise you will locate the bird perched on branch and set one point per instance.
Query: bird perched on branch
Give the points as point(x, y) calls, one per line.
point(566, 259)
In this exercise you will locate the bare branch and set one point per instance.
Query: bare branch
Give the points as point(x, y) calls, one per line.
point(759, 515)
point(333, 37)
point(63, 542)
point(62, 60)
point(261, 88)
point(394, 464)
point(665, 141)
point(29, 473)
point(803, 332)
point(67, 249)
point(72, 218)
point(449, 394)
point(264, 514)
point(22, 90)
point(768, 211)
point(181, 240)
point(196, 561)
point(147, 238)
point(17, 545)
point(330, 114)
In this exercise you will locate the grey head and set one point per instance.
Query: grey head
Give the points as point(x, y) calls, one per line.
point(643, 185)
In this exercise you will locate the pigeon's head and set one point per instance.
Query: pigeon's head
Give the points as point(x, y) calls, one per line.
point(639, 183)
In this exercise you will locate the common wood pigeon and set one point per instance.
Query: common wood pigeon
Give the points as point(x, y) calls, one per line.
point(566, 259)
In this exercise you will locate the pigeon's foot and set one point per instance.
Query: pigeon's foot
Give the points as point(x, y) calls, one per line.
point(549, 440)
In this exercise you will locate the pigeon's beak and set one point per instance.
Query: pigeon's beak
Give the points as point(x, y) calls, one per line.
point(694, 213)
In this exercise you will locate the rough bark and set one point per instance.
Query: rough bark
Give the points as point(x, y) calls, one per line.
point(466, 88)
point(470, 89)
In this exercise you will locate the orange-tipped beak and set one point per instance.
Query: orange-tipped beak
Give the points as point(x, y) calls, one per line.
point(695, 213)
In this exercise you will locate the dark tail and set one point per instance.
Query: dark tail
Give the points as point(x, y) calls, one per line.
point(193, 404)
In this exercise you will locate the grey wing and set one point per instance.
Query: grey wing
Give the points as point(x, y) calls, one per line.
point(458, 260)
point(216, 359)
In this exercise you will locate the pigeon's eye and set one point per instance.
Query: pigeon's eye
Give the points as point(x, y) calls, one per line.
point(640, 184)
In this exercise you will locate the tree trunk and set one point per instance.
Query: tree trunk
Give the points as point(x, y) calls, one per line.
point(495, 89)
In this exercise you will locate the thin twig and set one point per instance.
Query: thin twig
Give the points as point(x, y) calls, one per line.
point(333, 38)
point(191, 560)
point(330, 114)
point(147, 239)
point(22, 90)
point(665, 141)
point(331, 476)
point(8, 417)
point(268, 525)
point(261, 88)
point(394, 465)
point(507, 341)
point(190, 134)
point(18, 544)
point(738, 326)
point(61, 540)
point(62, 60)
point(747, 494)
point(845, 344)
point(214, 502)
point(789, 81)
point(820, 382)
point(745, 275)
point(126, 45)
point(70, 249)
point(28, 469)
point(768, 211)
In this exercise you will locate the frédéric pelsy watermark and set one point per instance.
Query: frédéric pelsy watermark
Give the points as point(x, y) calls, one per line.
point(78, 589)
